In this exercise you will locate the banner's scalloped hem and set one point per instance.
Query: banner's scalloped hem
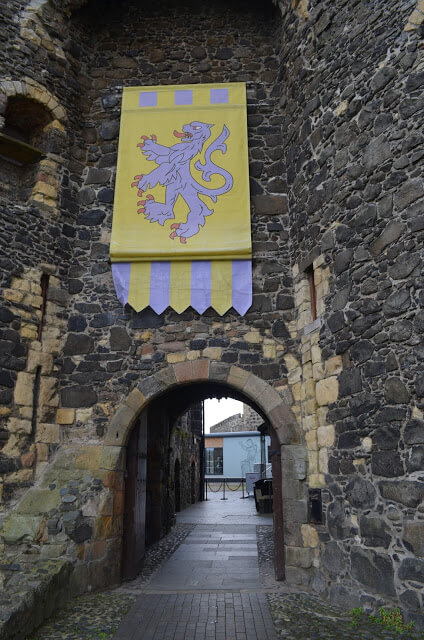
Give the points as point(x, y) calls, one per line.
point(200, 285)
point(241, 311)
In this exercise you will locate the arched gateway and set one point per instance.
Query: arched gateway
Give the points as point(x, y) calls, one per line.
point(176, 388)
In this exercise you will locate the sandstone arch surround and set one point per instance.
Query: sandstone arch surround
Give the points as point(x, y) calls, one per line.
point(268, 401)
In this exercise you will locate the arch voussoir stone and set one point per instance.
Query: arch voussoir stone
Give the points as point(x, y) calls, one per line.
point(259, 391)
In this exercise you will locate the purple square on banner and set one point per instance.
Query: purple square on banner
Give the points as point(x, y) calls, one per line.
point(219, 96)
point(184, 97)
point(148, 99)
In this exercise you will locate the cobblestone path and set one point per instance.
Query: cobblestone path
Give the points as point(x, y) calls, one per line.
point(211, 578)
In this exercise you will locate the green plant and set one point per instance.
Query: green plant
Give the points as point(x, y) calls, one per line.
point(392, 620)
point(356, 615)
point(389, 619)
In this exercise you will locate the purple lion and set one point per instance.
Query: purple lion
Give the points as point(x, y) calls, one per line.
point(173, 172)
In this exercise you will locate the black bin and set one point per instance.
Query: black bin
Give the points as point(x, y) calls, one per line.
point(263, 495)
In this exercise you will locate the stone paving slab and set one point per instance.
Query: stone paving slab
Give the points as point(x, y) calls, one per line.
point(183, 571)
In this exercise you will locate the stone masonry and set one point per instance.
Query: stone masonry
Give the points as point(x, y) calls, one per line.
point(330, 354)
point(249, 420)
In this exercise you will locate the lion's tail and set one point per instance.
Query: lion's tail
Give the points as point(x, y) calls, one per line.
point(209, 168)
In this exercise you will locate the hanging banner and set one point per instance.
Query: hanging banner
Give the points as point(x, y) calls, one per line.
point(181, 221)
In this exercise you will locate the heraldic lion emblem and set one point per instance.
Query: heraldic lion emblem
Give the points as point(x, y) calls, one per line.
point(173, 171)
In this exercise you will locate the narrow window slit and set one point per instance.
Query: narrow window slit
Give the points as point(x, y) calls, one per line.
point(312, 287)
point(315, 506)
point(44, 282)
point(35, 398)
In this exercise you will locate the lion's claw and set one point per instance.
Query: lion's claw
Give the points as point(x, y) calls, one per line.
point(172, 235)
point(140, 193)
point(175, 225)
point(150, 197)
point(183, 240)
point(141, 210)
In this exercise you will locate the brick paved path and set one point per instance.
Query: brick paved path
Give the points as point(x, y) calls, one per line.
point(209, 589)
point(198, 616)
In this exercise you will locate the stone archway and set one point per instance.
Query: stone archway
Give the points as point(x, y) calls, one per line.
point(286, 438)
point(265, 397)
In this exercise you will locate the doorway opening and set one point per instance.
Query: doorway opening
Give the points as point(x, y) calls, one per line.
point(165, 468)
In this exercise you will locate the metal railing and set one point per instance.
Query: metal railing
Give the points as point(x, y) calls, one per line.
point(225, 483)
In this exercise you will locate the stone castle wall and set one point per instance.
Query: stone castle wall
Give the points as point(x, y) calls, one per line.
point(187, 449)
point(249, 420)
point(334, 108)
point(351, 91)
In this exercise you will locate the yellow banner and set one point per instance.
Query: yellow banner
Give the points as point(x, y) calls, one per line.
point(182, 184)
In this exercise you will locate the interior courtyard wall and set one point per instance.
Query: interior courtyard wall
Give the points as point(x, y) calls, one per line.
point(186, 448)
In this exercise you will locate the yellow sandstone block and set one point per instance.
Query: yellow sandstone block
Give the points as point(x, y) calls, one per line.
point(24, 388)
point(310, 405)
point(309, 422)
point(46, 189)
point(213, 353)
point(333, 365)
point(311, 440)
point(29, 331)
point(21, 284)
point(42, 451)
point(48, 433)
point(295, 375)
point(83, 415)
point(309, 389)
point(321, 414)
point(12, 295)
point(269, 351)
point(296, 390)
point(327, 390)
point(326, 435)
point(316, 354)
point(290, 361)
point(416, 17)
point(254, 337)
point(307, 371)
point(323, 460)
point(309, 535)
point(313, 461)
point(173, 358)
point(316, 480)
point(317, 372)
point(65, 416)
